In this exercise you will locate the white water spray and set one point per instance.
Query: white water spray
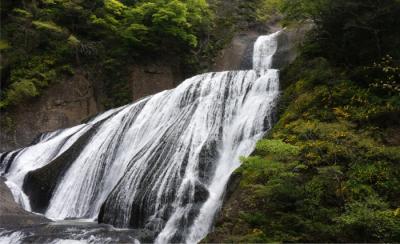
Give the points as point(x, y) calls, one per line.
point(161, 163)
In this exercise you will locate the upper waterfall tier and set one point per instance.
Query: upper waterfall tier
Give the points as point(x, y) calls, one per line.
point(264, 49)
point(161, 163)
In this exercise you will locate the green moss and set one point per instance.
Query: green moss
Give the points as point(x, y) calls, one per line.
point(72, 40)
point(18, 92)
point(276, 148)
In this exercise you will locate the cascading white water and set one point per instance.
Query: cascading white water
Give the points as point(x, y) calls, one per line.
point(50, 145)
point(265, 49)
point(161, 163)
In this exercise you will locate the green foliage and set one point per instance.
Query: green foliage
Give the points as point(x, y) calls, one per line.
point(267, 9)
point(349, 32)
point(155, 24)
point(277, 148)
point(115, 7)
point(47, 25)
point(384, 75)
point(28, 80)
point(324, 174)
point(370, 220)
point(77, 34)
point(256, 12)
point(73, 41)
point(20, 91)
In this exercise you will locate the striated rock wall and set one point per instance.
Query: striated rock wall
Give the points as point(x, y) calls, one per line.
point(238, 54)
point(64, 104)
point(153, 77)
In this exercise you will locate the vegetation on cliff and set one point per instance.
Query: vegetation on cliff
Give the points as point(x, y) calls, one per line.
point(329, 170)
point(43, 41)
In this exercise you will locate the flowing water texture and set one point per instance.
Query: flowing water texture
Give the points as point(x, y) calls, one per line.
point(161, 163)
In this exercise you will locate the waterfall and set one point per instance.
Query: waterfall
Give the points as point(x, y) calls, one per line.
point(161, 163)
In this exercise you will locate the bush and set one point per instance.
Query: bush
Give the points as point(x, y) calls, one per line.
point(276, 148)
point(384, 76)
point(369, 221)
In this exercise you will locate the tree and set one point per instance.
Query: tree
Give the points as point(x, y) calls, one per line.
point(350, 32)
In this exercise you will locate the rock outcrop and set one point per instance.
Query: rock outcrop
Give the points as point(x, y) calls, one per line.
point(153, 77)
point(62, 105)
point(238, 53)
point(40, 184)
point(288, 43)
point(11, 214)
point(18, 225)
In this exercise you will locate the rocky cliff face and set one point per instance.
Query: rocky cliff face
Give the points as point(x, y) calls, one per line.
point(13, 215)
point(153, 77)
point(238, 54)
point(64, 104)
point(288, 43)
point(69, 102)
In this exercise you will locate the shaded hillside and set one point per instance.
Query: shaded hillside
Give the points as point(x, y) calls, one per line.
point(329, 170)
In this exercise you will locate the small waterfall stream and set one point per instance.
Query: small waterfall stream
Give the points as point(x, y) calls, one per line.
point(161, 163)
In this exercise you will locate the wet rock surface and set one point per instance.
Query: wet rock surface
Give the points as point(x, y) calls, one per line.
point(238, 54)
point(154, 76)
point(40, 184)
point(288, 43)
point(18, 225)
point(11, 214)
point(75, 231)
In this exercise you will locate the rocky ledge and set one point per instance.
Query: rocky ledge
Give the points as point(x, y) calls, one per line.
point(18, 225)
point(11, 214)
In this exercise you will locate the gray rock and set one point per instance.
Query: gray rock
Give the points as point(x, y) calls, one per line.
point(11, 214)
